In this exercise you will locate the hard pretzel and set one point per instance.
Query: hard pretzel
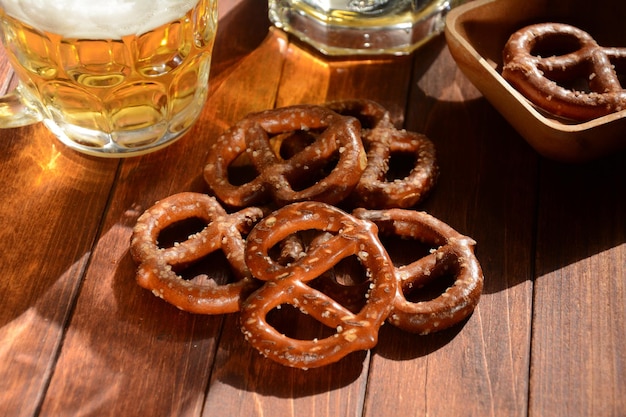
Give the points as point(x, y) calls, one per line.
point(158, 266)
point(374, 190)
point(289, 284)
point(383, 141)
point(341, 283)
point(581, 60)
point(454, 254)
point(370, 114)
point(334, 136)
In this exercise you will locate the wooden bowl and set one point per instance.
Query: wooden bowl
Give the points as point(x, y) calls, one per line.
point(476, 33)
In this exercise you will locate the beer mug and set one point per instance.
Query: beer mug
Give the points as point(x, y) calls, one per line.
point(361, 27)
point(108, 78)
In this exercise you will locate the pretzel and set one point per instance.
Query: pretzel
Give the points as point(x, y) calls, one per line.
point(158, 266)
point(370, 114)
point(339, 283)
point(285, 180)
point(374, 190)
point(288, 284)
point(580, 60)
point(383, 141)
point(454, 253)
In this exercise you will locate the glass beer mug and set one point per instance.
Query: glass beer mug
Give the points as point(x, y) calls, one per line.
point(108, 78)
point(361, 27)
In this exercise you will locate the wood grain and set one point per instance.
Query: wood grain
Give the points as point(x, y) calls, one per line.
point(462, 371)
point(78, 336)
point(154, 347)
point(579, 323)
point(49, 217)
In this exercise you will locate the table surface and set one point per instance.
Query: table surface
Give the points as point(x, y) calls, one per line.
point(79, 337)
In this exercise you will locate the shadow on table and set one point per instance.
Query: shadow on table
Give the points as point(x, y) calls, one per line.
point(50, 221)
point(581, 212)
point(242, 367)
point(529, 215)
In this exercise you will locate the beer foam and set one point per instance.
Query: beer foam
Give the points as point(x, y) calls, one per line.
point(96, 19)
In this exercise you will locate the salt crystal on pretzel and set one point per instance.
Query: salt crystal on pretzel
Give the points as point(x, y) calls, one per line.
point(280, 179)
point(573, 56)
point(158, 266)
point(453, 254)
point(290, 284)
point(383, 142)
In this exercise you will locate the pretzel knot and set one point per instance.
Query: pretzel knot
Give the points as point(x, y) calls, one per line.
point(576, 78)
point(159, 267)
point(380, 187)
point(288, 284)
point(370, 114)
point(326, 169)
point(454, 254)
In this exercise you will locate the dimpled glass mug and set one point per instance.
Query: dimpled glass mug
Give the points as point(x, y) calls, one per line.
point(112, 77)
point(361, 27)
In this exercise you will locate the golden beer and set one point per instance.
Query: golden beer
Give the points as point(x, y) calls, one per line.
point(116, 96)
point(361, 27)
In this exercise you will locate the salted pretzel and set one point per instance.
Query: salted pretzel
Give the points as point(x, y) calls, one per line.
point(570, 56)
point(288, 284)
point(453, 254)
point(370, 114)
point(382, 142)
point(374, 190)
point(159, 267)
point(285, 180)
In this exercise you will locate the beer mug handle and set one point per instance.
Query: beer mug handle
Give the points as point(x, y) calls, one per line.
point(16, 112)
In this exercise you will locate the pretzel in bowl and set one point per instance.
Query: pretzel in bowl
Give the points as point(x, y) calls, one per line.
point(341, 236)
point(563, 70)
point(453, 254)
point(383, 142)
point(334, 141)
point(159, 267)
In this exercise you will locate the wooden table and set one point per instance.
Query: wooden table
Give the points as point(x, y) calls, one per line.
point(78, 336)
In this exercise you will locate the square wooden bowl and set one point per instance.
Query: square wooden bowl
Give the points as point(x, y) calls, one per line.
point(476, 33)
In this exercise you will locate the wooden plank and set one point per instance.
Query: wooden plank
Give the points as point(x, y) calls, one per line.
point(126, 351)
point(486, 190)
point(79, 337)
point(49, 217)
point(245, 383)
point(383, 79)
point(579, 325)
point(47, 230)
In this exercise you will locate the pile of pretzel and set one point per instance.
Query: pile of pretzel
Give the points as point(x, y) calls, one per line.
point(320, 197)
